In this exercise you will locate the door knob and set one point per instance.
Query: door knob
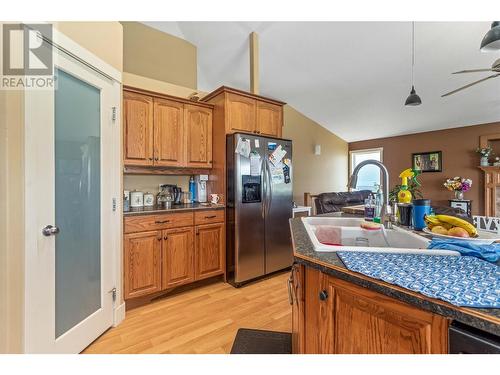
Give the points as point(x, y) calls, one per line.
point(323, 295)
point(50, 230)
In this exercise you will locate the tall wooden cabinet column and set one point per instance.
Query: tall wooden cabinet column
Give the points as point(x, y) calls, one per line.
point(237, 111)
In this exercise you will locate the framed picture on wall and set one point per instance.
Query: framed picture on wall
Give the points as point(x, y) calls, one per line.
point(427, 161)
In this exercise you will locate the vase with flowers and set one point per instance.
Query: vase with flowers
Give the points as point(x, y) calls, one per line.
point(459, 185)
point(485, 153)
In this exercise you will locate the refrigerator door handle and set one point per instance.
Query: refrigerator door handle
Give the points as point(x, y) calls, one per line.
point(264, 189)
point(269, 188)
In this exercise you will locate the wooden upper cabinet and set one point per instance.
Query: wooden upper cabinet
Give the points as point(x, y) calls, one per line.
point(240, 113)
point(168, 133)
point(209, 250)
point(142, 263)
point(198, 125)
point(269, 119)
point(137, 129)
point(178, 257)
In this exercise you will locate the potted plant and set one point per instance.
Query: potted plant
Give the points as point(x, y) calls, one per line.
point(459, 185)
point(485, 153)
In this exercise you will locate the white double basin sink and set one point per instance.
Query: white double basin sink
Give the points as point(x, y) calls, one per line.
point(346, 234)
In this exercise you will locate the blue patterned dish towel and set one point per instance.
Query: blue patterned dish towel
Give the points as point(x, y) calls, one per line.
point(489, 252)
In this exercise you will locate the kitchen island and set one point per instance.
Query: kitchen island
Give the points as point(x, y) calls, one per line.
point(339, 311)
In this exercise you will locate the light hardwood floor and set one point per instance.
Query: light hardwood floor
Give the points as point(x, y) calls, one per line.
point(203, 320)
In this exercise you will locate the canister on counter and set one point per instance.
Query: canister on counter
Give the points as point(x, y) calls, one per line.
point(149, 199)
point(126, 200)
point(136, 199)
point(421, 207)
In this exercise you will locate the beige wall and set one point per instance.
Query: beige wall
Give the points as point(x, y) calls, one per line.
point(154, 54)
point(311, 173)
point(103, 39)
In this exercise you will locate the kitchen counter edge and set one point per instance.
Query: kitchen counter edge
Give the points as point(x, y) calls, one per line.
point(180, 208)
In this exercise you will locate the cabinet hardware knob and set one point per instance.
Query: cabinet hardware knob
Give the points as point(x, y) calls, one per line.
point(162, 222)
point(165, 238)
point(159, 238)
point(150, 158)
point(210, 217)
point(323, 295)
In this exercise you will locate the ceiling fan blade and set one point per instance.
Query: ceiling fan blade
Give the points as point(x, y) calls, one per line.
point(473, 71)
point(470, 84)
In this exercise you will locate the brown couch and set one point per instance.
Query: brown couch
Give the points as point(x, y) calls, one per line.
point(333, 202)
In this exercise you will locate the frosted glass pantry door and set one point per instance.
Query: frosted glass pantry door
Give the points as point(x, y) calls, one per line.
point(72, 213)
point(77, 201)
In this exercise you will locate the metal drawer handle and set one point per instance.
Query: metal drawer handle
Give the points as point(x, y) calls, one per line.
point(162, 222)
point(50, 230)
point(210, 217)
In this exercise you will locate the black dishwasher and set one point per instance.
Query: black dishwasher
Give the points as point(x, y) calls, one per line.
point(464, 339)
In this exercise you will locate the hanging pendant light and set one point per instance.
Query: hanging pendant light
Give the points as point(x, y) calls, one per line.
point(413, 99)
point(491, 41)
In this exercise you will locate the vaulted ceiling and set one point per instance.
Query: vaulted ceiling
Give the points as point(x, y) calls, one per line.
point(353, 77)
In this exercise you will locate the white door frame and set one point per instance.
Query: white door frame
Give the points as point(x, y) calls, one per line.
point(39, 324)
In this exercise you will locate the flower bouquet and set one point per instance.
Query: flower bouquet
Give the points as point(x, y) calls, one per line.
point(485, 153)
point(459, 185)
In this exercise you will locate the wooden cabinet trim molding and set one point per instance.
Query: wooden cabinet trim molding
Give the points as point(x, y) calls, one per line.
point(242, 93)
point(156, 94)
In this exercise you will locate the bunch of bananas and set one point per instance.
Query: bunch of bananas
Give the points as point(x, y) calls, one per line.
point(448, 223)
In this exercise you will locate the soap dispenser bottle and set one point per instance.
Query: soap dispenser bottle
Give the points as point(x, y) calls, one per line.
point(379, 200)
point(192, 189)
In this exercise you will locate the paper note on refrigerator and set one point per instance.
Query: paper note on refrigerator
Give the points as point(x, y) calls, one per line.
point(255, 163)
point(243, 147)
point(277, 155)
point(277, 175)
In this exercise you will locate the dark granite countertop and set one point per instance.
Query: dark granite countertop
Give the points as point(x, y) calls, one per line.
point(485, 319)
point(175, 208)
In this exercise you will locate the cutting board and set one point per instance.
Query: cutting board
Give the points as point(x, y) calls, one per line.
point(357, 210)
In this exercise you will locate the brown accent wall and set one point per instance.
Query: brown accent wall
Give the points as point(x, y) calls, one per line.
point(459, 159)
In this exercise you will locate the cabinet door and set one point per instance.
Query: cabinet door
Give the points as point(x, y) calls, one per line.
point(198, 124)
point(352, 319)
point(142, 263)
point(137, 129)
point(269, 119)
point(240, 114)
point(209, 250)
point(169, 133)
point(178, 257)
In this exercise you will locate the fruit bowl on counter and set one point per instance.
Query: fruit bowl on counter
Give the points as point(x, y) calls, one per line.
point(451, 227)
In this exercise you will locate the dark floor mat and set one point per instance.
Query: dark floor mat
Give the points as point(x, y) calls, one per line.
point(256, 341)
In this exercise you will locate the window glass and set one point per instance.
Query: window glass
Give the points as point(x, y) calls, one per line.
point(369, 175)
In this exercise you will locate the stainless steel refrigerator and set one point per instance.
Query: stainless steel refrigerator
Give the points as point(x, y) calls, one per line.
point(259, 205)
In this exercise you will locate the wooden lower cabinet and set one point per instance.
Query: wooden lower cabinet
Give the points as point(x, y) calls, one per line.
point(177, 257)
point(162, 251)
point(210, 250)
point(142, 263)
point(343, 318)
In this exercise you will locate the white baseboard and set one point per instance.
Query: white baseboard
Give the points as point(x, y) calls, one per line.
point(119, 314)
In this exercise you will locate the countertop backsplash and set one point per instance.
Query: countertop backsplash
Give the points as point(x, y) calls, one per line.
point(151, 183)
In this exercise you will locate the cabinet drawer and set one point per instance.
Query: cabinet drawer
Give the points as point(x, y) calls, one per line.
point(157, 222)
point(209, 216)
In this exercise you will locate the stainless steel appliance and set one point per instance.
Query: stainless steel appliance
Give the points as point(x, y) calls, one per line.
point(259, 205)
point(468, 340)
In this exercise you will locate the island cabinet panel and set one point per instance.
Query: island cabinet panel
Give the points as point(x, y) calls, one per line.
point(269, 119)
point(240, 113)
point(142, 263)
point(210, 250)
point(344, 318)
point(198, 122)
point(168, 133)
point(137, 129)
point(177, 257)
point(296, 298)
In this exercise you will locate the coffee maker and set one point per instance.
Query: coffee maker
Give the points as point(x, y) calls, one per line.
point(201, 187)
